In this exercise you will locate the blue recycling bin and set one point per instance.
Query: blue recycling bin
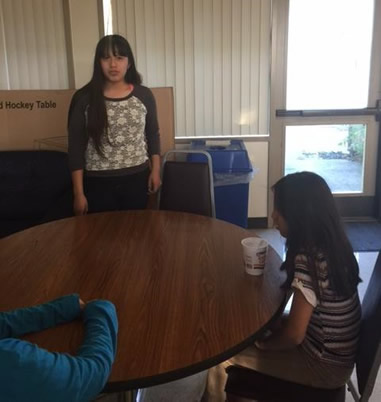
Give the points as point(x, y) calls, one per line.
point(232, 172)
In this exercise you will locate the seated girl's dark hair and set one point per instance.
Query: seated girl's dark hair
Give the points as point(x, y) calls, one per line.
point(314, 225)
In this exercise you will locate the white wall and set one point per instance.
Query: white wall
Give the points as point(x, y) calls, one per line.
point(258, 190)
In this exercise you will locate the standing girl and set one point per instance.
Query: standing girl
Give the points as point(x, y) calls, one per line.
point(114, 142)
point(316, 343)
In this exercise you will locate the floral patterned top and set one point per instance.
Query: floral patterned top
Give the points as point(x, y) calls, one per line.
point(131, 137)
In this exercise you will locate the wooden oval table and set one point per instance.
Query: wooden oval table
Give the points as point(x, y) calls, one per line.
point(183, 299)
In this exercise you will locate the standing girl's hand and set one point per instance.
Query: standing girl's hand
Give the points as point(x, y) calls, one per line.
point(80, 206)
point(80, 201)
point(154, 181)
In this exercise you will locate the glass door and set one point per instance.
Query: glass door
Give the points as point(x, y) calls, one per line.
point(331, 84)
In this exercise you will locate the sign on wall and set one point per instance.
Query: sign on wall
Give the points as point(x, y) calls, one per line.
point(28, 117)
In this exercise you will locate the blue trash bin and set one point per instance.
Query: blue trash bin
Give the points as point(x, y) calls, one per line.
point(232, 172)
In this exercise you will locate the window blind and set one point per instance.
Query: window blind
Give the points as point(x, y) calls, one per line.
point(214, 53)
point(32, 45)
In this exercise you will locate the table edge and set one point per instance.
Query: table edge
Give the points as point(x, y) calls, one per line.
point(145, 382)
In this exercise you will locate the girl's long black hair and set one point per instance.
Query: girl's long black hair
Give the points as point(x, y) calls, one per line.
point(97, 115)
point(314, 225)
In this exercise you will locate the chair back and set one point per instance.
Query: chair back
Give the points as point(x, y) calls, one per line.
point(187, 186)
point(369, 353)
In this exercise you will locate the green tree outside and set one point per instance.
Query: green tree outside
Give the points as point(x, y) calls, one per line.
point(356, 141)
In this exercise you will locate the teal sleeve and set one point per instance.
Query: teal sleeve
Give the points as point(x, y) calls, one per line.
point(33, 319)
point(34, 374)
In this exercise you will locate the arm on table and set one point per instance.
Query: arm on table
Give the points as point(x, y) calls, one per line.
point(294, 327)
point(32, 373)
point(32, 319)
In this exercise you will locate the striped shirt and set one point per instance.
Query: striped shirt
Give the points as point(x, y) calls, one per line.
point(334, 328)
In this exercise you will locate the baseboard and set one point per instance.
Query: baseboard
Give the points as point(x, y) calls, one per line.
point(262, 223)
point(257, 223)
point(362, 219)
point(356, 206)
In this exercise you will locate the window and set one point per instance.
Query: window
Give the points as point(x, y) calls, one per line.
point(107, 17)
point(328, 67)
point(335, 152)
point(329, 53)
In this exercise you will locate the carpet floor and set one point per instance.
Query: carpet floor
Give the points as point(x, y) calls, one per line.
point(364, 236)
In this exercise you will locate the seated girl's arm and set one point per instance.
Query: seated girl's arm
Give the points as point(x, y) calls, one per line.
point(293, 329)
point(286, 311)
point(32, 319)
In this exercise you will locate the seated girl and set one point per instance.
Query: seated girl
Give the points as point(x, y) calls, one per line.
point(316, 344)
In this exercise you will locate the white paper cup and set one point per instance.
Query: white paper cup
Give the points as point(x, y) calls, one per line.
point(254, 255)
